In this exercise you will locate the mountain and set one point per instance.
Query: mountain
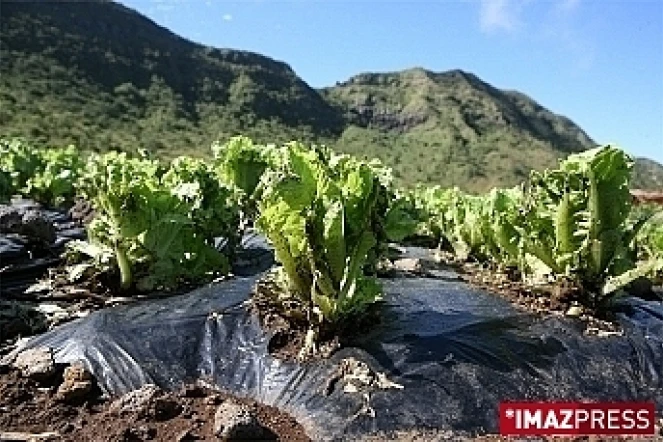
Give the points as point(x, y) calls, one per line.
point(99, 75)
point(451, 128)
point(647, 174)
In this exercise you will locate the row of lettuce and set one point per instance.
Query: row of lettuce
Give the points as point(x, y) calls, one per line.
point(158, 225)
point(330, 218)
point(577, 223)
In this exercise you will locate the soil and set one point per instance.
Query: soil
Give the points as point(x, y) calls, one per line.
point(647, 197)
point(28, 407)
point(289, 328)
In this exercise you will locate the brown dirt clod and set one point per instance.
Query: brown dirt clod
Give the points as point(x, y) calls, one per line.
point(25, 407)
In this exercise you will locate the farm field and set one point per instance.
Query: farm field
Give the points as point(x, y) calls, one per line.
point(464, 241)
point(313, 287)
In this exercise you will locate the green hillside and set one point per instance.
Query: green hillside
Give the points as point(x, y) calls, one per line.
point(101, 76)
point(451, 128)
point(648, 174)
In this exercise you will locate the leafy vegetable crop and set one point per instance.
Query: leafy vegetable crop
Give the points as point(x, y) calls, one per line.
point(46, 175)
point(242, 163)
point(573, 222)
point(650, 242)
point(325, 215)
point(577, 221)
point(331, 217)
point(159, 224)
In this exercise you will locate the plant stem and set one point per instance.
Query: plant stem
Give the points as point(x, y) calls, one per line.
point(125, 267)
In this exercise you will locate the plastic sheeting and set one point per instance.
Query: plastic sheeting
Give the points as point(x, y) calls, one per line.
point(457, 352)
point(21, 263)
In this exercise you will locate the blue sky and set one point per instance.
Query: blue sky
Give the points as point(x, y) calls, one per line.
point(598, 62)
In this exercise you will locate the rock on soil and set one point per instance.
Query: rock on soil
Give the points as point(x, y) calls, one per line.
point(10, 219)
point(235, 421)
point(28, 437)
point(31, 223)
point(149, 401)
point(77, 384)
point(36, 226)
point(36, 363)
point(82, 211)
point(409, 265)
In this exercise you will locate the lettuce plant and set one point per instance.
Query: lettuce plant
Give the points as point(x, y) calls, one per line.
point(500, 221)
point(577, 220)
point(325, 215)
point(54, 183)
point(573, 222)
point(477, 227)
point(433, 205)
point(240, 163)
point(466, 231)
point(48, 175)
point(19, 161)
point(404, 218)
point(650, 237)
point(160, 224)
point(650, 242)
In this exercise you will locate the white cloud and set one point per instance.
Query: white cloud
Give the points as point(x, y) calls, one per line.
point(162, 10)
point(166, 5)
point(568, 5)
point(558, 23)
point(507, 15)
point(566, 28)
point(500, 15)
point(227, 17)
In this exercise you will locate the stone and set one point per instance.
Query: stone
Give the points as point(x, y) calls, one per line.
point(193, 391)
point(575, 311)
point(32, 437)
point(213, 399)
point(37, 227)
point(147, 401)
point(142, 432)
point(411, 265)
point(68, 427)
point(36, 363)
point(234, 421)
point(78, 383)
point(82, 211)
point(185, 435)
point(135, 401)
point(10, 219)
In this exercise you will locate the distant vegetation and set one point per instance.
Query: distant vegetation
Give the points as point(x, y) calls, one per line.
point(647, 174)
point(451, 128)
point(101, 76)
